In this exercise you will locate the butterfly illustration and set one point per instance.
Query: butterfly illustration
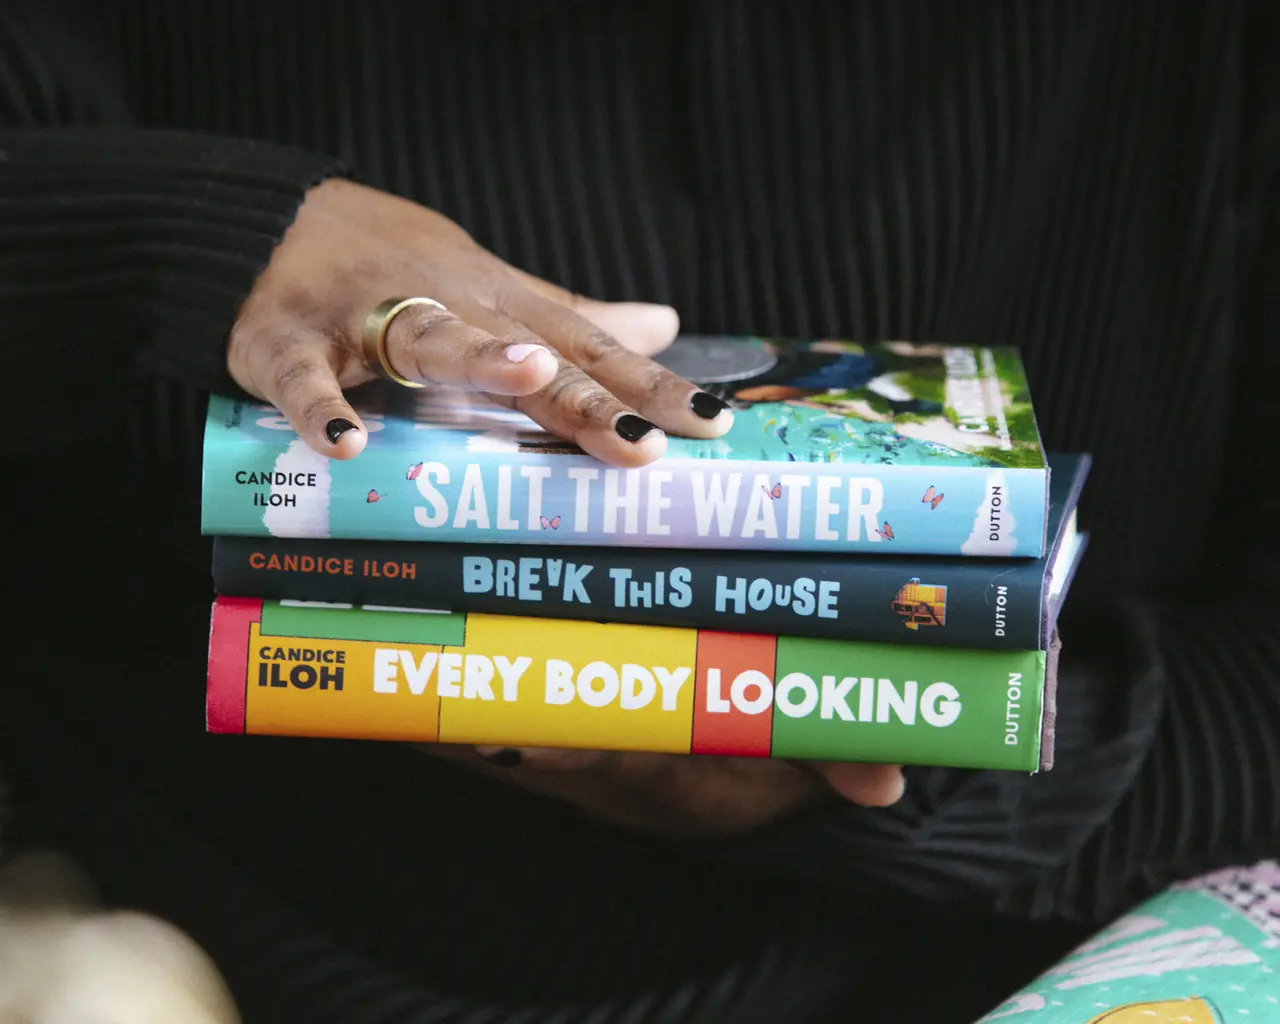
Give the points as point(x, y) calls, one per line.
point(933, 500)
point(373, 496)
point(549, 524)
point(775, 492)
point(886, 533)
point(413, 472)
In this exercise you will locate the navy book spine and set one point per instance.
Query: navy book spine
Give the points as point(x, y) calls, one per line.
point(957, 602)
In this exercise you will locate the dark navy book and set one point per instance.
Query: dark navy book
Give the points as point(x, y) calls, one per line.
point(959, 601)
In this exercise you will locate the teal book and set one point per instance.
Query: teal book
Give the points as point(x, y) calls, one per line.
point(836, 446)
point(1205, 951)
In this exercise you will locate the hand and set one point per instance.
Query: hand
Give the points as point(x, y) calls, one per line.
point(680, 794)
point(576, 366)
point(64, 958)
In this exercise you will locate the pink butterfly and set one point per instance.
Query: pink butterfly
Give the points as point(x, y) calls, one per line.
point(775, 492)
point(414, 470)
point(549, 524)
point(933, 500)
point(886, 533)
point(373, 496)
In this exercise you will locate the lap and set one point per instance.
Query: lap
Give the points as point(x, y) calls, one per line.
point(431, 878)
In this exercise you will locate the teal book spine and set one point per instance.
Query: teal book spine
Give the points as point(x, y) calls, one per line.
point(837, 447)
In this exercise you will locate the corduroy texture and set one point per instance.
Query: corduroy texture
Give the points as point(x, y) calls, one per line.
point(1095, 183)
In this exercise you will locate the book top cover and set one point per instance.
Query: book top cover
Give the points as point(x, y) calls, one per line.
point(1204, 951)
point(950, 419)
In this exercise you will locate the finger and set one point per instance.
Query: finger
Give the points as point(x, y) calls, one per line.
point(576, 408)
point(655, 392)
point(435, 346)
point(643, 327)
point(870, 785)
point(547, 759)
point(292, 371)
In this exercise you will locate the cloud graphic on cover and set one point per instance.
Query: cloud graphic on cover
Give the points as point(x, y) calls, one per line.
point(993, 522)
point(309, 517)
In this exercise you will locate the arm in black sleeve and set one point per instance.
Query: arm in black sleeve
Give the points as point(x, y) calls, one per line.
point(1208, 793)
point(1168, 746)
point(123, 250)
point(1168, 729)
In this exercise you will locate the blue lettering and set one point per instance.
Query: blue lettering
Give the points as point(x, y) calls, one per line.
point(477, 575)
point(620, 577)
point(529, 578)
point(573, 588)
point(804, 603)
point(724, 593)
point(828, 591)
point(681, 595)
point(505, 585)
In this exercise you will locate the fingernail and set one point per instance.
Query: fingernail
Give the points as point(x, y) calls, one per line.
point(519, 353)
point(334, 429)
point(633, 428)
point(505, 758)
point(707, 406)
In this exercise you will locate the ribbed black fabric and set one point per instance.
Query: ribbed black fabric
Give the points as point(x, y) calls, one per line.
point(128, 234)
point(1095, 183)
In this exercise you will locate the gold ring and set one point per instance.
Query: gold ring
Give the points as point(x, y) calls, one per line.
point(375, 336)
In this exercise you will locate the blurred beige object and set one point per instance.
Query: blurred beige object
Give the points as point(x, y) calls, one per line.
point(64, 960)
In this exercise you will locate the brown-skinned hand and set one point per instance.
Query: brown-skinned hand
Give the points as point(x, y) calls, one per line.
point(578, 367)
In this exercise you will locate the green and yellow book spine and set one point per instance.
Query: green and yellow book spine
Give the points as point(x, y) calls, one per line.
point(302, 669)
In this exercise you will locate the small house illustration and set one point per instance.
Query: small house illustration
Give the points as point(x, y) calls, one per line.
point(920, 604)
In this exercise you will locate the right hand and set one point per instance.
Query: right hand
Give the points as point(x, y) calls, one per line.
point(576, 366)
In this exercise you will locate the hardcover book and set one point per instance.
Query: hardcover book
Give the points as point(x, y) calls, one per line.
point(836, 447)
point(289, 668)
point(1205, 951)
point(959, 602)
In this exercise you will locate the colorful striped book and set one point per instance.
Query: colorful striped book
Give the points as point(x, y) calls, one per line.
point(298, 669)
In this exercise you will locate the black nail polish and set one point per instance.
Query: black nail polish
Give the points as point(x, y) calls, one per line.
point(506, 758)
point(707, 406)
point(334, 429)
point(633, 428)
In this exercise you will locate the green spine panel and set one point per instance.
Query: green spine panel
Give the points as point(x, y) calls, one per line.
point(999, 693)
point(356, 623)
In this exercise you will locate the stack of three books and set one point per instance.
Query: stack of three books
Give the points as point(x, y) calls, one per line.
point(867, 567)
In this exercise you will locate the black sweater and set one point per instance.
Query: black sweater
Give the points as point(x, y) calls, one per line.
point(1095, 183)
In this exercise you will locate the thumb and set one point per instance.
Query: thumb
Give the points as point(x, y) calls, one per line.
point(643, 327)
point(869, 785)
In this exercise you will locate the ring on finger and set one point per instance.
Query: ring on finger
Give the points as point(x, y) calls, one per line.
point(374, 341)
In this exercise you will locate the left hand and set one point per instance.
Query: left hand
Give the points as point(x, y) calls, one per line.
point(682, 794)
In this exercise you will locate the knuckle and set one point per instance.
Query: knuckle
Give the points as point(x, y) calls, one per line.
point(319, 408)
point(292, 378)
point(483, 347)
point(595, 347)
point(277, 360)
point(277, 350)
point(421, 322)
point(654, 379)
point(417, 343)
point(581, 397)
point(505, 295)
